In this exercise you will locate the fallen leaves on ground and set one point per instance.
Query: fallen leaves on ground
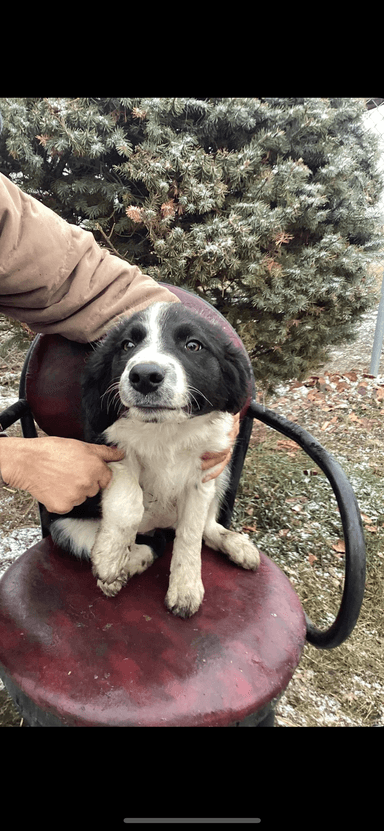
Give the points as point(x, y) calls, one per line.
point(352, 398)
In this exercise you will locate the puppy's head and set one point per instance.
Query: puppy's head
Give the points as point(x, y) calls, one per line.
point(164, 363)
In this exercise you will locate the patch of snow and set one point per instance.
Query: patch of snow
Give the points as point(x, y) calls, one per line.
point(14, 543)
point(7, 398)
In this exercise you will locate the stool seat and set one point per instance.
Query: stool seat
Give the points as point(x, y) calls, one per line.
point(87, 660)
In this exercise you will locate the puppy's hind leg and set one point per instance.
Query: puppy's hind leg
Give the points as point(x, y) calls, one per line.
point(238, 547)
point(144, 552)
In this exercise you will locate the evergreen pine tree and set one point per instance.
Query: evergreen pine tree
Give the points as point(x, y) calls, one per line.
point(268, 207)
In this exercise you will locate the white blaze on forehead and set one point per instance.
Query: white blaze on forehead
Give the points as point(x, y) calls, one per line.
point(152, 349)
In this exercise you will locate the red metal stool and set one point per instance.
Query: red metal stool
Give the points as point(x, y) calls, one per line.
point(69, 656)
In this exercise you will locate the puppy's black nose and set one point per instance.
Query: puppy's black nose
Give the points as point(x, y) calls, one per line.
point(146, 377)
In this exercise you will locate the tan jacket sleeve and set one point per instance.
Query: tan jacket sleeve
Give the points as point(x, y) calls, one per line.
point(56, 278)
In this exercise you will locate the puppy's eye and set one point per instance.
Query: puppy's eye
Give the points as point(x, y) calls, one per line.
point(127, 344)
point(194, 345)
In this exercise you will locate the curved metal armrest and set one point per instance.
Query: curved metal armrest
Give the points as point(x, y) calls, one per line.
point(13, 413)
point(352, 527)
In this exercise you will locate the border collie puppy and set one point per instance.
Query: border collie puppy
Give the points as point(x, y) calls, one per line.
point(162, 385)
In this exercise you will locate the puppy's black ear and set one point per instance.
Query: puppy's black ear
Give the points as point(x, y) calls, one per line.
point(237, 377)
point(96, 379)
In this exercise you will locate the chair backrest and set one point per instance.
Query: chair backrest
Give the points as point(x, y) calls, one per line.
point(54, 365)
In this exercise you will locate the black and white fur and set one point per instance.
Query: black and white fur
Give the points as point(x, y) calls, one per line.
point(162, 385)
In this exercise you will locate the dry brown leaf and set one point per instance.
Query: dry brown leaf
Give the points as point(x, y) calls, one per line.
point(287, 444)
point(339, 547)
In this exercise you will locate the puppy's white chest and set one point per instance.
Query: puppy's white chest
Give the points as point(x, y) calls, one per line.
point(164, 482)
point(165, 461)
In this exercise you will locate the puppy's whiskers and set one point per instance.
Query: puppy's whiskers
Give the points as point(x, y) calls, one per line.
point(199, 393)
point(113, 388)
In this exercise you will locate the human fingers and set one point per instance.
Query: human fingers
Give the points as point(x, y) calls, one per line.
point(105, 453)
point(218, 468)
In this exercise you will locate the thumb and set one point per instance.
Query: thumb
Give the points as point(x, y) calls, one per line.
point(108, 453)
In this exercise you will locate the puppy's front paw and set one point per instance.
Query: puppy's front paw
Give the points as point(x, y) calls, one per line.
point(111, 589)
point(110, 563)
point(184, 600)
point(110, 578)
point(113, 576)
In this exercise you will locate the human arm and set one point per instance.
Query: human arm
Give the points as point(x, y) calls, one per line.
point(56, 278)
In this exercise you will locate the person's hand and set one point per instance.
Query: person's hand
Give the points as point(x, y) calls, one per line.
point(218, 461)
point(60, 473)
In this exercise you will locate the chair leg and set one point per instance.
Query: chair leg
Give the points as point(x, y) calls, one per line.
point(268, 721)
point(263, 718)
